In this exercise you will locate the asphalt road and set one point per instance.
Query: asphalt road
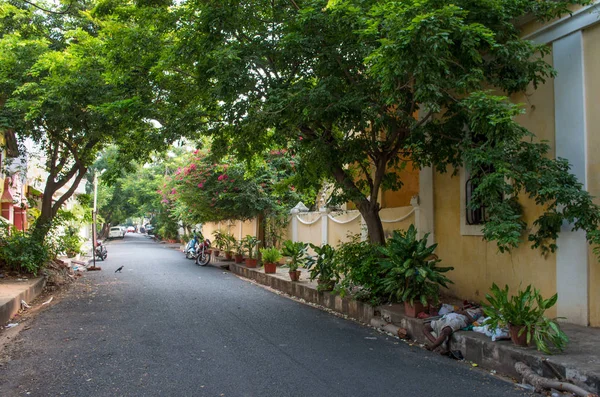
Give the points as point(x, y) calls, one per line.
point(166, 327)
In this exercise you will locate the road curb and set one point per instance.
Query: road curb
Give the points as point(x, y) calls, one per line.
point(11, 302)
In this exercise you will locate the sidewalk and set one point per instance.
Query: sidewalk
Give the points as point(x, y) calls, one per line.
point(579, 363)
point(13, 291)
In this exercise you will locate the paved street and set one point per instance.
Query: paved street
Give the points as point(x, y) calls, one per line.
point(166, 327)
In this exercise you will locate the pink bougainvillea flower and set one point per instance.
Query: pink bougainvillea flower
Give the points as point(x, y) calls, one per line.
point(201, 185)
point(193, 167)
point(173, 191)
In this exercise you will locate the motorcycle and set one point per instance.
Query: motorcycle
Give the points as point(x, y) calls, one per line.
point(100, 251)
point(202, 253)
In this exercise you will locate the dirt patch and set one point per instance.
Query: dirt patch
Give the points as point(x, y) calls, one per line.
point(59, 278)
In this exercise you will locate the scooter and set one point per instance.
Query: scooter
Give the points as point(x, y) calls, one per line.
point(203, 253)
point(100, 252)
point(191, 247)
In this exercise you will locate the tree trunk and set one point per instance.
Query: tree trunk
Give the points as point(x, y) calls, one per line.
point(370, 213)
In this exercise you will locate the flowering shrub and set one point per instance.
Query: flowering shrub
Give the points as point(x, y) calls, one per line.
point(204, 191)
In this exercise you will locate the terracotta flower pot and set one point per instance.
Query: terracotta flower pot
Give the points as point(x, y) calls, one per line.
point(228, 255)
point(239, 258)
point(295, 275)
point(414, 309)
point(514, 335)
point(270, 267)
point(251, 262)
point(216, 253)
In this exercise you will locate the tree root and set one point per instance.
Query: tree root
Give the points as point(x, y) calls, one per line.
point(540, 382)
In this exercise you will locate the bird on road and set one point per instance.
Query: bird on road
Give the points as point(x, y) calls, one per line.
point(119, 269)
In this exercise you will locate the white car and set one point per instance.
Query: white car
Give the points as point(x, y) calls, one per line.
point(115, 232)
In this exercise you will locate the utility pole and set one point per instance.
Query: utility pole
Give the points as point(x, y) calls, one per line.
point(94, 211)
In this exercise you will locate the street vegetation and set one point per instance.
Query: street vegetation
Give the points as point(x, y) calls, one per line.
point(199, 111)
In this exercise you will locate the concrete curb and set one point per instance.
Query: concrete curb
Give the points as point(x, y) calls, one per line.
point(353, 309)
point(12, 294)
point(500, 356)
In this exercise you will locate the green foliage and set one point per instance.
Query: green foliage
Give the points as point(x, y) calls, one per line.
point(250, 243)
point(239, 247)
point(411, 271)
point(70, 242)
point(339, 84)
point(229, 242)
point(19, 251)
point(359, 263)
point(297, 253)
point(323, 266)
point(270, 255)
point(526, 309)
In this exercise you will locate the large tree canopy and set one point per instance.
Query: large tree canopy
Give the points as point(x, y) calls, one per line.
point(58, 88)
point(360, 88)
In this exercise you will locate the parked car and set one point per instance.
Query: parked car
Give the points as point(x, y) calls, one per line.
point(149, 229)
point(115, 232)
point(130, 229)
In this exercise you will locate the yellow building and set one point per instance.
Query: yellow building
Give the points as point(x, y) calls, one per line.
point(566, 113)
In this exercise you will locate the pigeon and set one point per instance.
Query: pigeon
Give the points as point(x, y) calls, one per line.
point(119, 269)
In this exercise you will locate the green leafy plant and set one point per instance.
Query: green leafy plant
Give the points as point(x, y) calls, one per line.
point(359, 262)
point(411, 271)
point(270, 255)
point(297, 252)
point(70, 242)
point(20, 251)
point(239, 247)
point(250, 243)
point(229, 243)
point(322, 266)
point(526, 309)
point(219, 241)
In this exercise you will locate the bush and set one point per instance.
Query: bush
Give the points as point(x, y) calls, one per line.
point(411, 271)
point(20, 252)
point(70, 243)
point(359, 262)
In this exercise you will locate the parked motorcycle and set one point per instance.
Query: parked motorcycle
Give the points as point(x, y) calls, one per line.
point(100, 252)
point(203, 253)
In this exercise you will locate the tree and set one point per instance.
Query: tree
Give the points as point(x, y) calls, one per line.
point(58, 90)
point(360, 88)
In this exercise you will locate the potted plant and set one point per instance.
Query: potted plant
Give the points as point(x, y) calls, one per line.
point(270, 257)
point(239, 251)
point(229, 245)
point(411, 272)
point(298, 256)
point(322, 267)
point(250, 244)
point(219, 242)
point(523, 313)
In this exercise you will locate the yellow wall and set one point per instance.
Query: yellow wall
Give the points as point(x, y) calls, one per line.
point(591, 50)
point(477, 263)
point(410, 188)
point(309, 233)
point(337, 234)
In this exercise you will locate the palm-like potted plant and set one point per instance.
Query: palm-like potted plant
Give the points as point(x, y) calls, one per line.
point(270, 257)
point(411, 272)
point(523, 313)
point(298, 256)
point(322, 267)
point(219, 242)
point(229, 245)
point(239, 251)
point(250, 243)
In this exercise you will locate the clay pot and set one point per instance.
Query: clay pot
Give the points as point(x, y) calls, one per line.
point(251, 262)
point(270, 267)
point(239, 258)
point(228, 255)
point(414, 309)
point(295, 275)
point(514, 335)
point(216, 252)
point(326, 285)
